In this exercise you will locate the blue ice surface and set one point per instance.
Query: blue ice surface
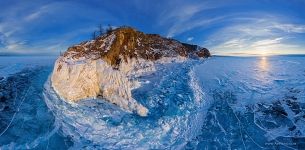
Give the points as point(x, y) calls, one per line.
point(220, 103)
point(255, 103)
point(174, 117)
point(26, 122)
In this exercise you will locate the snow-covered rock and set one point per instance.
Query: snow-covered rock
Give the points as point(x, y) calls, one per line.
point(108, 66)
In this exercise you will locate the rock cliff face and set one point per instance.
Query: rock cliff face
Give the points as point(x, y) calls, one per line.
point(106, 67)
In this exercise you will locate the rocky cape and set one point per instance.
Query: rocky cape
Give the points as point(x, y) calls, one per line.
point(107, 67)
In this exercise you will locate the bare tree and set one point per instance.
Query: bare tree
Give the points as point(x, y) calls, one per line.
point(109, 29)
point(101, 30)
point(94, 35)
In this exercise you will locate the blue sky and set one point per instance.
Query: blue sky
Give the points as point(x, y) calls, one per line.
point(226, 27)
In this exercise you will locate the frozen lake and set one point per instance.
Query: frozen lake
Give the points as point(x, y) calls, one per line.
point(223, 102)
point(254, 103)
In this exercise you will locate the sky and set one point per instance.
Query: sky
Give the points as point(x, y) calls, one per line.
point(225, 27)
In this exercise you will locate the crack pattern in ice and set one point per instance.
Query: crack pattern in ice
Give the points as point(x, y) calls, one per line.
point(25, 122)
point(243, 106)
point(255, 103)
point(168, 93)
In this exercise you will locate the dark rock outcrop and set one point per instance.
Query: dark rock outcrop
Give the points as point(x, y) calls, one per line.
point(130, 43)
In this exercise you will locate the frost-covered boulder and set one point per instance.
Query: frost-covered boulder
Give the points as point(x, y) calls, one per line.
point(107, 67)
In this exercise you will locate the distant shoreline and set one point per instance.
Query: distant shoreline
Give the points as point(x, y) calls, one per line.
point(26, 55)
point(238, 55)
point(273, 55)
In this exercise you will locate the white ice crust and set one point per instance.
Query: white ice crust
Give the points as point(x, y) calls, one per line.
point(77, 79)
point(92, 78)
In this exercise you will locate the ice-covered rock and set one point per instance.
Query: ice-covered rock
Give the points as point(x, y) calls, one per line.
point(107, 67)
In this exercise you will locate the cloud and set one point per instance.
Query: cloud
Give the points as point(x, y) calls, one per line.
point(182, 16)
point(11, 45)
point(190, 39)
point(12, 25)
point(186, 26)
point(34, 15)
point(221, 26)
point(17, 28)
point(267, 33)
point(234, 43)
point(290, 28)
point(266, 42)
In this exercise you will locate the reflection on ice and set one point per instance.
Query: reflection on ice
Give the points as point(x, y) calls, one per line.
point(262, 71)
point(263, 64)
